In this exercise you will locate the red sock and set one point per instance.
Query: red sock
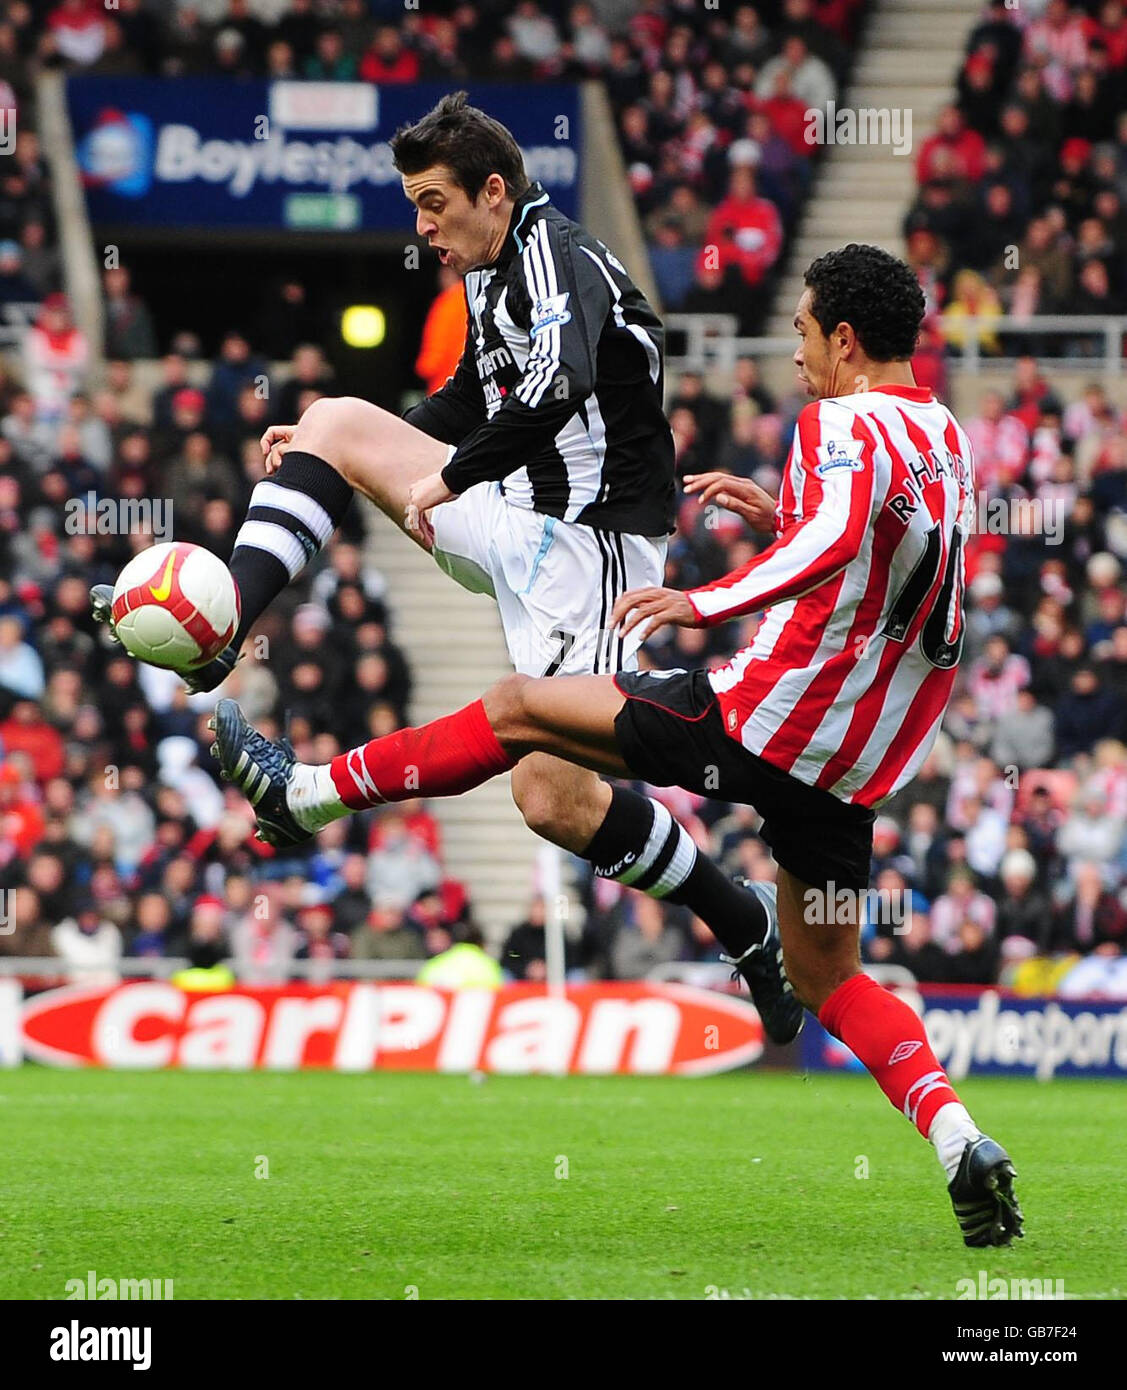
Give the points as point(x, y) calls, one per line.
point(889, 1038)
point(442, 758)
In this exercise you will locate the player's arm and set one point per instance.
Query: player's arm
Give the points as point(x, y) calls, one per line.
point(836, 458)
point(456, 409)
point(839, 498)
point(570, 293)
point(747, 499)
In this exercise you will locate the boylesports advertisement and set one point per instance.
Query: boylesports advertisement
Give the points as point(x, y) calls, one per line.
point(208, 153)
point(990, 1033)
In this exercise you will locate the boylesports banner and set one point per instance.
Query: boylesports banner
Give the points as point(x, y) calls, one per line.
point(215, 153)
point(990, 1033)
point(595, 1029)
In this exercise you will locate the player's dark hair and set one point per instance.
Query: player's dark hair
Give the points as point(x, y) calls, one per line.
point(466, 141)
point(872, 291)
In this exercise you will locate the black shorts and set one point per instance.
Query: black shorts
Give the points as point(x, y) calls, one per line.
point(670, 732)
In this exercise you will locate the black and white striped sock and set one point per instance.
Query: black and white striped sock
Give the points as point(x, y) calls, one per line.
point(290, 519)
point(640, 845)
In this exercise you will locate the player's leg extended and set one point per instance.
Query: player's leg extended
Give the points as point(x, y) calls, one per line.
point(820, 935)
point(626, 836)
point(339, 446)
point(446, 757)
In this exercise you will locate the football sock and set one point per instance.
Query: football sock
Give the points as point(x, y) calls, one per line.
point(889, 1039)
point(950, 1132)
point(291, 516)
point(443, 758)
point(640, 845)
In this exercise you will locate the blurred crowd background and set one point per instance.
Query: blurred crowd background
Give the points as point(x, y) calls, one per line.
point(1008, 850)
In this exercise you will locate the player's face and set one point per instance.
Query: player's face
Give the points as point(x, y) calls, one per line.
point(823, 363)
point(463, 233)
point(813, 355)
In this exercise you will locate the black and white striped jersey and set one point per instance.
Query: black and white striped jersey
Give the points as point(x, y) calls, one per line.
point(558, 395)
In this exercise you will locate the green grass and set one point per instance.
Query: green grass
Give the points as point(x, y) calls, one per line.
point(745, 1182)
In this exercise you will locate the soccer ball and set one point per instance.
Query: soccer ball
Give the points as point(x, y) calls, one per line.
point(175, 605)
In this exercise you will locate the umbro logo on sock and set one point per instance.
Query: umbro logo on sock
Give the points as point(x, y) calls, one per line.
point(902, 1051)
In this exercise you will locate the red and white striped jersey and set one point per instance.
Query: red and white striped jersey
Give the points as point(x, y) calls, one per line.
point(849, 674)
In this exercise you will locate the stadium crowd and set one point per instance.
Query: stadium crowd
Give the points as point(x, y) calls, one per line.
point(1022, 186)
point(710, 102)
point(1009, 849)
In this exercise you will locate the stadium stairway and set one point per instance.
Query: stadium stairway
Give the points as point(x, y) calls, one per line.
point(911, 53)
point(452, 640)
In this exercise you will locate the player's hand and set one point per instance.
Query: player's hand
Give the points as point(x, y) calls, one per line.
point(654, 607)
point(274, 444)
point(428, 492)
point(739, 495)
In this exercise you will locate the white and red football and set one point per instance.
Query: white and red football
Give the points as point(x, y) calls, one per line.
point(175, 605)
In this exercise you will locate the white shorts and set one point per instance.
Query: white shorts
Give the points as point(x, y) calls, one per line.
point(555, 582)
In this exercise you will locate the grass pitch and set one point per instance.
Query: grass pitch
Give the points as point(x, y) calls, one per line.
point(395, 1185)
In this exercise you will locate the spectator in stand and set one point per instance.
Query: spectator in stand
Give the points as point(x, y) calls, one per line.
point(953, 152)
point(720, 288)
point(1023, 910)
point(1094, 918)
point(1090, 833)
point(811, 80)
point(1032, 395)
point(55, 356)
point(90, 945)
point(645, 939)
point(16, 288)
point(996, 677)
point(997, 36)
point(1024, 739)
point(318, 941)
point(388, 60)
point(311, 376)
point(1000, 442)
point(401, 864)
point(444, 333)
point(27, 931)
point(1057, 44)
point(76, 32)
point(174, 377)
point(41, 262)
point(388, 936)
point(1087, 713)
point(263, 940)
point(972, 298)
point(960, 901)
point(329, 61)
point(975, 961)
point(913, 950)
point(152, 919)
point(129, 325)
point(21, 670)
point(988, 615)
point(237, 367)
point(745, 227)
point(525, 952)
